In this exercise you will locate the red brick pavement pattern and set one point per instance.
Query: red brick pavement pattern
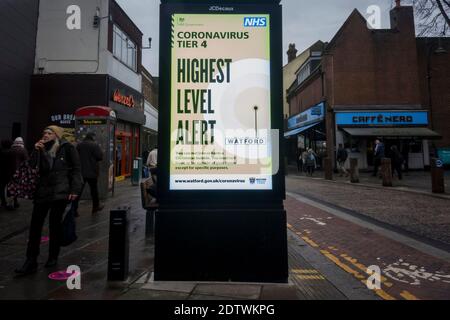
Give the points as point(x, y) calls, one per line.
point(420, 214)
point(406, 272)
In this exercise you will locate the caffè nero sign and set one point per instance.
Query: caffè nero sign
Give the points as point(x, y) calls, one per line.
point(400, 118)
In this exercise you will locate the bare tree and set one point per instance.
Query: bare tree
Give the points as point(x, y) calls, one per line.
point(432, 17)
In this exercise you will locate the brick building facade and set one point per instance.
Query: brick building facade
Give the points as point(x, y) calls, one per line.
point(371, 85)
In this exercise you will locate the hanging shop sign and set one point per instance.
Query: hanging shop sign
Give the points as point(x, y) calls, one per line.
point(310, 116)
point(388, 118)
point(119, 98)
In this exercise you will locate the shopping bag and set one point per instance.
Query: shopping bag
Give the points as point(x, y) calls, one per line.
point(69, 234)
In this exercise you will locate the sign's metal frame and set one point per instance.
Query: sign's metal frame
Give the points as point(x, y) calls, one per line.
point(243, 197)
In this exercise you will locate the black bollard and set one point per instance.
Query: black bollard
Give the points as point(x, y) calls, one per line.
point(386, 172)
point(437, 176)
point(149, 222)
point(354, 170)
point(118, 256)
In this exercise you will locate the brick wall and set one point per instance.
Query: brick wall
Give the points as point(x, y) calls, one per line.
point(374, 67)
point(308, 95)
point(439, 84)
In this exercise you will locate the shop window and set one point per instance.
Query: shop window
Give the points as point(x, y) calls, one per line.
point(304, 72)
point(124, 49)
point(416, 147)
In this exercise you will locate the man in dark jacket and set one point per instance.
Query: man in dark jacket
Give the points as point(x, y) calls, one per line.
point(341, 157)
point(378, 155)
point(90, 156)
point(59, 183)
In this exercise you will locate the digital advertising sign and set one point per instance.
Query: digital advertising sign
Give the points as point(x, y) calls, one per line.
point(220, 102)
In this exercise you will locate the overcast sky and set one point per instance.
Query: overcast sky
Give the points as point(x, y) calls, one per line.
point(304, 21)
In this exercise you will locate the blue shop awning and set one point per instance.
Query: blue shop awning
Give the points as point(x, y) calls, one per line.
point(299, 130)
point(393, 132)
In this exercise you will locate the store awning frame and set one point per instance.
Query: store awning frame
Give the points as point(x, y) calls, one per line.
point(404, 132)
point(300, 130)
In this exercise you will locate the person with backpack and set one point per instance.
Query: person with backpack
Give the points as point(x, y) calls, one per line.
point(341, 157)
point(59, 183)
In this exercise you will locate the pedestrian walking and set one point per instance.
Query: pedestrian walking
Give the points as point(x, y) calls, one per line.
point(152, 164)
point(6, 171)
point(311, 162)
point(378, 155)
point(90, 155)
point(396, 161)
point(299, 160)
point(59, 183)
point(405, 154)
point(341, 158)
point(19, 155)
point(304, 157)
point(152, 160)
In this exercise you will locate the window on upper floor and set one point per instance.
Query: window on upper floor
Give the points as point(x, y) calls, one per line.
point(304, 72)
point(124, 49)
point(309, 66)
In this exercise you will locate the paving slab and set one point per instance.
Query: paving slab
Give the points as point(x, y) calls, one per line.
point(135, 294)
point(237, 291)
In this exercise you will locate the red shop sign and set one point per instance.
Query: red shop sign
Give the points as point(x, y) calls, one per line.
point(124, 100)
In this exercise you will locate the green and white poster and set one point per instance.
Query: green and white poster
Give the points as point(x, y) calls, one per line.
point(220, 102)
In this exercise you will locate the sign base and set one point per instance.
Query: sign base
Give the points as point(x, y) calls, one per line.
point(238, 245)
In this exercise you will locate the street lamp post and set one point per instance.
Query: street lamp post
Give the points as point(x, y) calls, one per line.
point(256, 120)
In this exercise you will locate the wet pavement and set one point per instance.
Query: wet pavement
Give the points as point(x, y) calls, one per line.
point(404, 234)
point(422, 214)
point(312, 276)
point(413, 181)
point(335, 232)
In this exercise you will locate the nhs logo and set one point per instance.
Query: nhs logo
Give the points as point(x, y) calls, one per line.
point(255, 22)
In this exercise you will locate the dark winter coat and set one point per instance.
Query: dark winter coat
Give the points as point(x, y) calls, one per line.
point(379, 151)
point(396, 158)
point(63, 178)
point(90, 154)
point(342, 155)
point(6, 165)
point(19, 155)
point(310, 160)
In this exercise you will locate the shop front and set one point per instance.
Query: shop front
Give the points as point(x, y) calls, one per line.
point(55, 98)
point(149, 130)
point(306, 130)
point(129, 107)
point(407, 130)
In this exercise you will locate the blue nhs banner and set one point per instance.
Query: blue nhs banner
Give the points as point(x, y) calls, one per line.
point(390, 118)
point(255, 22)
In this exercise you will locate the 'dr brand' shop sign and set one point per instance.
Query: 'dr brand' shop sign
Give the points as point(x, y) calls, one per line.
point(220, 102)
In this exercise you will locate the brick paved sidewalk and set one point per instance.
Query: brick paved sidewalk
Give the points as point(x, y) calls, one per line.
point(419, 214)
point(90, 253)
point(413, 181)
point(407, 272)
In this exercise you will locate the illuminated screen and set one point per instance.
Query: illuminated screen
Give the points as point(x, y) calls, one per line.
point(220, 102)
